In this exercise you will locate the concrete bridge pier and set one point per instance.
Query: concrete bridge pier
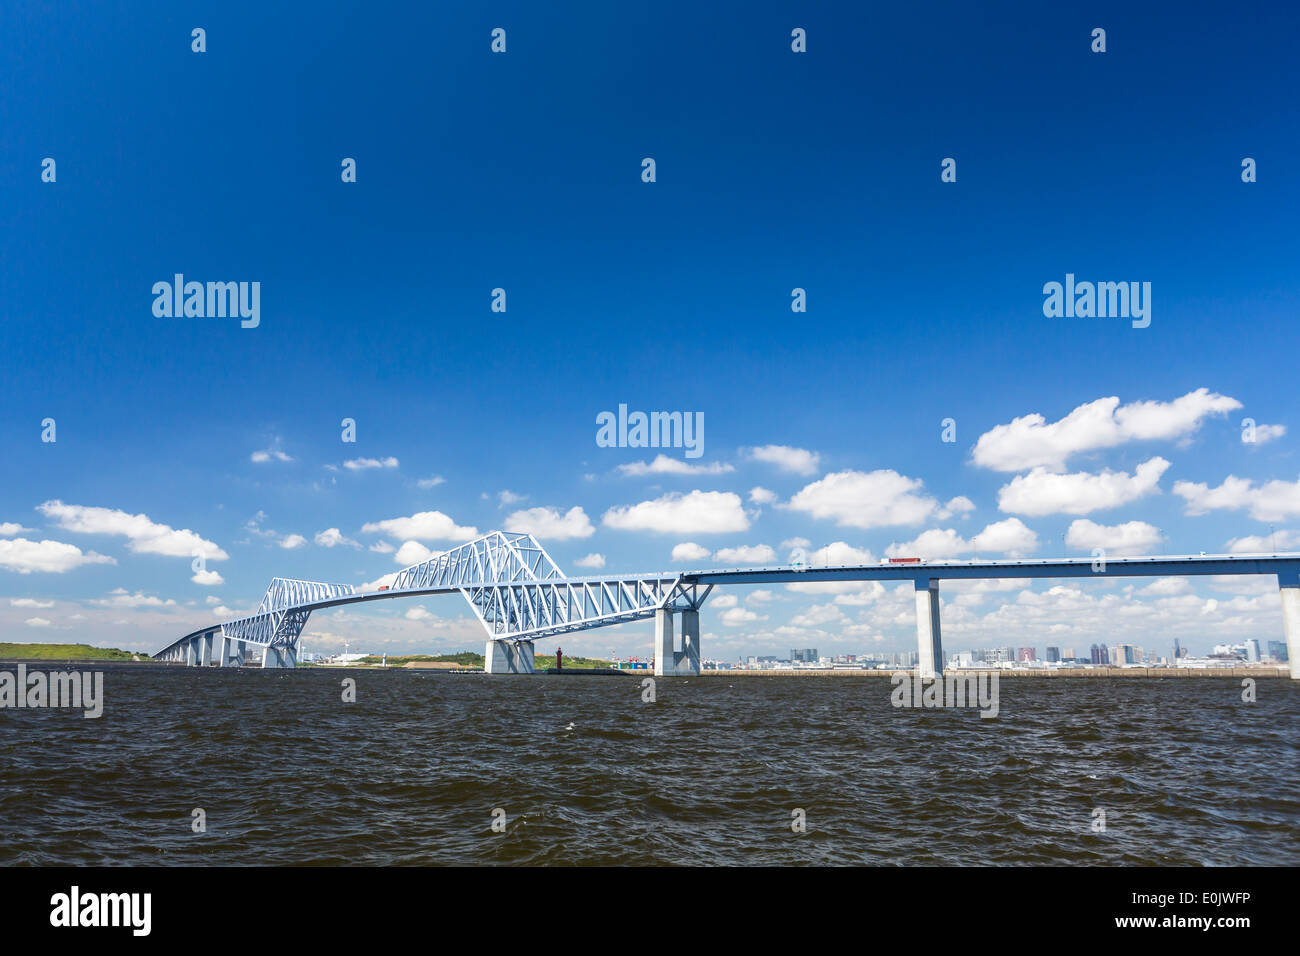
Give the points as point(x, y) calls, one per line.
point(508, 657)
point(232, 652)
point(1289, 583)
point(929, 644)
point(271, 657)
point(668, 660)
point(205, 650)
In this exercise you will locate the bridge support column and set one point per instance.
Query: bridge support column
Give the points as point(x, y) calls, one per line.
point(668, 660)
point(929, 645)
point(192, 652)
point(271, 656)
point(664, 653)
point(205, 649)
point(508, 657)
point(232, 652)
point(1290, 587)
point(688, 660)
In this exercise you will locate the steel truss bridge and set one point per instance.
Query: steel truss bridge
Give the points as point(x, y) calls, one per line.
point(520, 595)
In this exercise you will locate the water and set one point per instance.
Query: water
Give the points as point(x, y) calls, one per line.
point(589, 774)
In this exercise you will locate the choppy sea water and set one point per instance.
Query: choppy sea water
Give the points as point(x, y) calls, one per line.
point(587, 773)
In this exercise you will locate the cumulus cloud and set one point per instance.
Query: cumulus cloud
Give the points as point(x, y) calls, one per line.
point(663, 465)
point(332, 537)
point(433, 481)
point(1264, 433)
point(1130, 538)
point(761, 496)
point(38, 622)
point(1043, 492)
point(269, 454)
point(700, 512)
point(800, 461)
point(592, 560)
point(144, 536)
point(8, 529)
point(689, 551)
point(365, 464)
point(30, 602)
point(1031, 442)
point(549, 524)
point(120, 597)
point(1265, 543)
point(23, 556)
point(412, 552)
point(736, 616)
point(873, 499)
point(1010, 537)
point(207, 578)
point(746, 554)
point(422, 526)
point(1270, 501)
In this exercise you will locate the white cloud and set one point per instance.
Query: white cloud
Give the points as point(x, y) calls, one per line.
point(858, 499)
point(736, 616)
point(418, 613)
point(663, 465)
point(1009, 536)
point(1130, 538)
point(1271, 501)
point(37, 622)
point(508, 497)
point(746, 554)
point(30, 602)
point(592, 560)
point(433, 481)
point(548, 524)
point(144, 536)
point(268, 454)
point(689, 551)
point(207, 578)
point(289, 542)
point(8, 529)
point(1042, 492)
point(760, 596)
point(332, 537)
point(817, 616)
point(959, 505)
point(700, 512)
point(724, 601)
point(1276, 542)
point(412, 552)
point(365, 464)
point(1030, 442)
point(120, 597)
point(422, 526)
point(382, 547)
point(1265, 433)
point(761, 496)
point(23, 556)
point(795, 543)
point(800, 461)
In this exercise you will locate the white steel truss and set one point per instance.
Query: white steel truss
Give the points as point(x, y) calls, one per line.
point(515, 589)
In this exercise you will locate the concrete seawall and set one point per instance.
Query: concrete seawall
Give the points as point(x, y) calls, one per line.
point(1222, 672)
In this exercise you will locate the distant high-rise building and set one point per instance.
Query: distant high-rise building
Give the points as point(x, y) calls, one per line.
point(1053, 655)
point(1252, 649)
point(1277, 650)
point(1178, 651)
point(807, 655)
point(1099, 654)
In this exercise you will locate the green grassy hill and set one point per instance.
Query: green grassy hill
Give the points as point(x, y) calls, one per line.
point(65, 652)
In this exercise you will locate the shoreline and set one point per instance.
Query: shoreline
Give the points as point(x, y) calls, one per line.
point(1255, 671)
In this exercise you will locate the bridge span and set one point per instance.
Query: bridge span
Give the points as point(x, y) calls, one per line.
point(520, 595)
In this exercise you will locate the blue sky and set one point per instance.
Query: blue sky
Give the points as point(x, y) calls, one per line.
point(522, 171)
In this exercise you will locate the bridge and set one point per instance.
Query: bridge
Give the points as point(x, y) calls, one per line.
point(520, 595)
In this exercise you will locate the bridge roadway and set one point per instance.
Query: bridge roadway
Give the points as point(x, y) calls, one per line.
point(525, 597)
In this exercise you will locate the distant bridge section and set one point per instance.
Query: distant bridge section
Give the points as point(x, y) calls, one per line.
point(520, 595)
